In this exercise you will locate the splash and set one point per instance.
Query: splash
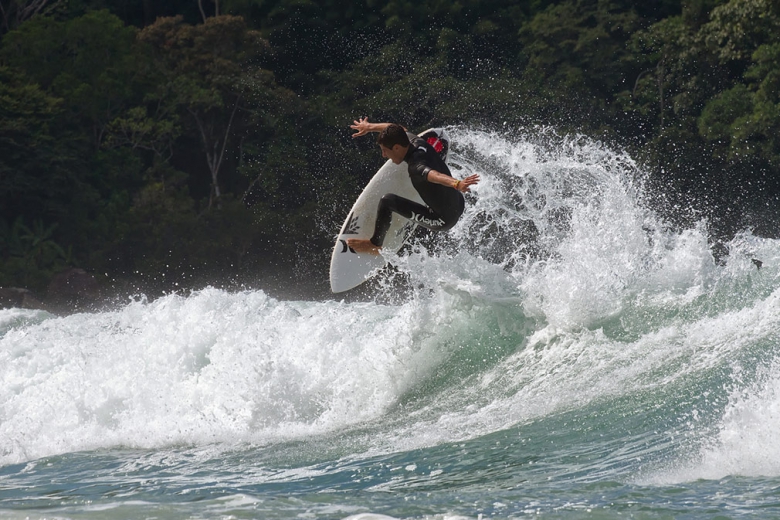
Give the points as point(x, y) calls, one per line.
point(744, 441)
point(564, 219)
point(747, 442)
point(210, 367)
point(559, 289)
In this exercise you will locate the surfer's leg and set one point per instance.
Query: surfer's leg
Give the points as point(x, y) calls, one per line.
point(418, 213)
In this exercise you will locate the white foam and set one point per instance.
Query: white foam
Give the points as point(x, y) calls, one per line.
point(210, 367)
point(599, 245)
point(608, 259)
point(746, 442)
point(528, 314)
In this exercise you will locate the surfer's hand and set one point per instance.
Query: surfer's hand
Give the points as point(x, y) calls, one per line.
point(362, 126)
point(465, 185)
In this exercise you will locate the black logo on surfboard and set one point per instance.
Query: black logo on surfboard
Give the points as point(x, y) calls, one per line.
point(352, 226)
point(345, 247)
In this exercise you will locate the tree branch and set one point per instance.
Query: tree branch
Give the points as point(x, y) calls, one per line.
point(202, 12)
point(33, 8)
point(227, 131)
point(636, 83)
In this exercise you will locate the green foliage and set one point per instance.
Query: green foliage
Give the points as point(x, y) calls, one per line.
point(31, 164)
point(579, 43)
point(29, 254)
point(306, 35)
point(88, 62)
point(204, 77)
point(138, 142)
point(722, 113)
point(745, 120)
point(739, 27)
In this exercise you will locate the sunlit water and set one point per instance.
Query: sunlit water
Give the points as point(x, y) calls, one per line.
point(561, 352)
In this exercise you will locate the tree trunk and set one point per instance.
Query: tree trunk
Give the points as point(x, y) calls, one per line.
point(215, 152)
point(202, 12)
point(30, 8)
point(14, 12)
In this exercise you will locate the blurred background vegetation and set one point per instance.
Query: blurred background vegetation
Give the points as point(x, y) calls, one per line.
point(172, 143)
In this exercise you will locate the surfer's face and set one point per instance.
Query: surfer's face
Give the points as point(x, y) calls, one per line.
point(395, 154)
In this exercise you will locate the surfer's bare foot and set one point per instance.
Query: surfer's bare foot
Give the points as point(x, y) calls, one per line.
point(360, 245)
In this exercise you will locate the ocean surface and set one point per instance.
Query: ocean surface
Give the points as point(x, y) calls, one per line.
point(561, 353)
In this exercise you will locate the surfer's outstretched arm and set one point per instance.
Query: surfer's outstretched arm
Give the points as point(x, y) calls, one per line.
point(363, 126)
point(461, 185)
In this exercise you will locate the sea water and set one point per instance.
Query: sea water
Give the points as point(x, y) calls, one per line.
point(561, 353)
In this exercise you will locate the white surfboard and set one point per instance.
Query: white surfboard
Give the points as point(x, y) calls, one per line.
point(349, 269)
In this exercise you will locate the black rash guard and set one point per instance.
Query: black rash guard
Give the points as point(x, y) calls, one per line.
point(422, 158)
point(444, 204)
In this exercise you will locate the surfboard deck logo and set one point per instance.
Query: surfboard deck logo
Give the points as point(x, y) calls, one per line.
point(351, 227)
point(349, 269)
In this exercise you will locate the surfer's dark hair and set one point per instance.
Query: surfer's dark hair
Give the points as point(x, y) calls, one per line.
point(392, 135)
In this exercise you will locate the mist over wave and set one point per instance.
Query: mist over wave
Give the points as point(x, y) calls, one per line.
point(558, 291)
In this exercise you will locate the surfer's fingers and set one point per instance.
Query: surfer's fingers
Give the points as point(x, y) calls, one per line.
point(361, 126)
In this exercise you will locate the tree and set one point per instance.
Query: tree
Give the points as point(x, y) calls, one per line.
point(88, 62)
point(737, 28)
point(79, 75)
point(30, 164)
point(204, 76)
point(14, 12)
point(744, 120)
point(203, 12)
point(580, 43)
point(669, 63)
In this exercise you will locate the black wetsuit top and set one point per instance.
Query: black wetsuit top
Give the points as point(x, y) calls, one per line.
point(422, 158)
point(444, 205)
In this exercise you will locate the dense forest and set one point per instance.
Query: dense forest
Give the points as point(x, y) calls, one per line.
point(170, 144)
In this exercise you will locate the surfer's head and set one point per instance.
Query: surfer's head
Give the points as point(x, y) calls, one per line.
point(394, 143)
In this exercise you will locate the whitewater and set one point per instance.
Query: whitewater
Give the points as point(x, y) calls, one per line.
point(563, 352)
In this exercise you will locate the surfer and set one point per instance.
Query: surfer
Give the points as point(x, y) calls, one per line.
point(430, 176)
